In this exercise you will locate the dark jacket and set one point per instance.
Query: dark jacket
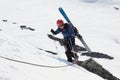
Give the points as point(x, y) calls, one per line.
point(67, 31)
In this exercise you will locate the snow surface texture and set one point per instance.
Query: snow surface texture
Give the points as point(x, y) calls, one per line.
point(97, 22)
point(102, 1)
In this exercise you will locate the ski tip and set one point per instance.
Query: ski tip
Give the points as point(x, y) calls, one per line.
point(60, 8)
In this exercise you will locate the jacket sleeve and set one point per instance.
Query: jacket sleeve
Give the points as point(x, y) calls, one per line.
point(71, 31)
point(57, 31)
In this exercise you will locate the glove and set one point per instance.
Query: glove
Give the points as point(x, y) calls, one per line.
point(52, 31)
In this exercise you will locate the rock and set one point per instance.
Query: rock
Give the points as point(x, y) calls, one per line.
point(96, 68)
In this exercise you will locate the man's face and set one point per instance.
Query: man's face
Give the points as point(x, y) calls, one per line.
point(61, 27)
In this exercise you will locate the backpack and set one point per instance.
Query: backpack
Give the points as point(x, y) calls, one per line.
point(66, 25)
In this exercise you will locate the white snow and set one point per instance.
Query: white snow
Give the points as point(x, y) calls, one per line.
point(99, 24)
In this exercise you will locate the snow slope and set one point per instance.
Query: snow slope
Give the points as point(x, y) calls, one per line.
point(98, 23)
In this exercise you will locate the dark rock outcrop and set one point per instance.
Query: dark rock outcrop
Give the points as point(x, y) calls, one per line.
point(4, 20)
point(25, 27)
point(97, 55)
point(96, 68)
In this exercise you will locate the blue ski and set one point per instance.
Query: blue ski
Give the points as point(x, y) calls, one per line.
point(65, 15)
point(68, 20)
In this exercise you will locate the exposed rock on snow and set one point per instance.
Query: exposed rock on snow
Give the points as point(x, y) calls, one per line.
point(96, 68)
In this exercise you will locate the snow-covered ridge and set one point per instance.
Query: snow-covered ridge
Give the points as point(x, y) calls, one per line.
point(99, 26)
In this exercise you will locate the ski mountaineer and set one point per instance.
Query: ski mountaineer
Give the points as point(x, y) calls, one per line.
point(69, 39)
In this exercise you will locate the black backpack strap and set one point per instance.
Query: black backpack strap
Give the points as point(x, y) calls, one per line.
point(66, 25)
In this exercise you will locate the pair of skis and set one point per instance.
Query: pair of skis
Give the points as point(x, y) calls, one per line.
point(68, 20)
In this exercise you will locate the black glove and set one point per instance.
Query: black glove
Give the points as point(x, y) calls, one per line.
point(52, 31)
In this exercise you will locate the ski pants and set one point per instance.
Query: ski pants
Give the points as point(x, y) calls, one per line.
point(70, 41)
point(68, 52)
